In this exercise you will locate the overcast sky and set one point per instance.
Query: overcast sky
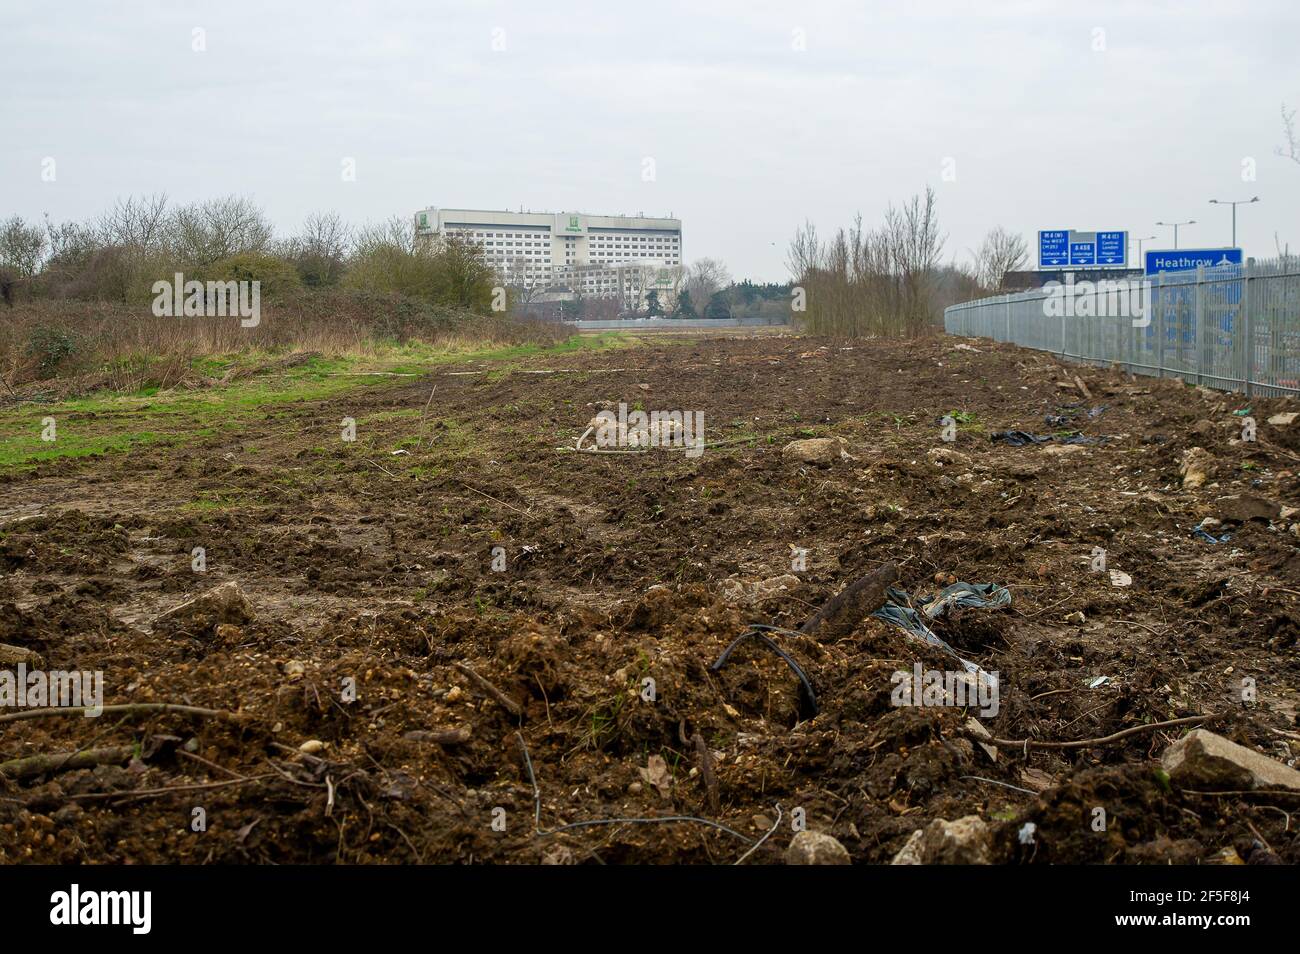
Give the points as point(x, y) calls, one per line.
point(756, 115)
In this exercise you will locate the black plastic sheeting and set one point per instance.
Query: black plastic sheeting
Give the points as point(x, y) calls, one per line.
point(911, 614)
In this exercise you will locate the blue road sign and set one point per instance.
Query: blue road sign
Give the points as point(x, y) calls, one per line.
point(1053, 247)
point(1083, 253)
point(1187, 259)
point(1112, 248)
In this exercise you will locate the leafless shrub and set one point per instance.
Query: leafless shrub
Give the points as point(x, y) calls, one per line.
point(207, 232)
point(1291, 148)
point(999, 253)
point(871, 281)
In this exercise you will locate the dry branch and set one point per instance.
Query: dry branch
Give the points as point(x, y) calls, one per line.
point(510, 705)
point(128, 709)
point(64, 761)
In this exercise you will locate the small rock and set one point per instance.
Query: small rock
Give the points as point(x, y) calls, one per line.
point(202, 614)
point(312, 747)
point(559, 855)
point(1242, 508)
point(816, 848)
point(946, 457)
point(822, 451)
point(965, 841)
point(294, 670)
point(1284, 420)
point(910, 853)
point(1202, 759)
point(1196, 466)
point(976, 728)
point(735, 590)
point(765, 589)
point(1063, 450)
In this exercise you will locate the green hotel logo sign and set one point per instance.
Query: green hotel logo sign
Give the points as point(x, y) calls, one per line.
point(573, 224)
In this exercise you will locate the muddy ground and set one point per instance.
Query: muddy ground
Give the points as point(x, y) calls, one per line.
point(371, 574)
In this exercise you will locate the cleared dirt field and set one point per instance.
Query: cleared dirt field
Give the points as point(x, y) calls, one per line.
point(372, 597)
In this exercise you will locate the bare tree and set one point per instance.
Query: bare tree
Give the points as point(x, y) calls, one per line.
point(136, 222)
point(804, 253)
point(210, 231)
point(1292, 148)
point(319, 250)
point(999, 253)
point(703, 279)
point(524, 278)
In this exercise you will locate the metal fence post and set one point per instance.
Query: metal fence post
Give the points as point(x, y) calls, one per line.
point(1200, 323)
point(1246, 330)
point(1160, 325)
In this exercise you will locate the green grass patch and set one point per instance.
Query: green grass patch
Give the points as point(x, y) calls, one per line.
point(109, 422)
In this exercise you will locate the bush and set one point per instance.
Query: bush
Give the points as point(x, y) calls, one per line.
point(392, 260)
point(279, 279)
point(52, 349)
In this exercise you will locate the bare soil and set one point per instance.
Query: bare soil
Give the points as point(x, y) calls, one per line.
point(376, 570)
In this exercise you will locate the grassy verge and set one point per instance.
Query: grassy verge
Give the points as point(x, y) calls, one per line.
point(260, 387)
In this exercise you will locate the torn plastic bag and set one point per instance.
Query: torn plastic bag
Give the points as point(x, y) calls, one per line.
point(1200, 533)
point(975, 595)
point(1024, 438)
point(909, 615)
point(1019, 438)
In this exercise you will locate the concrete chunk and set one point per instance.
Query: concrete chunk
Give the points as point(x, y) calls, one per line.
point(965, 841)
point(202, 614)
point(816, 848)
point(1201, 759)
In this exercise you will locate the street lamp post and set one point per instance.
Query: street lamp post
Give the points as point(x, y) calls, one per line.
point(1175, 225)
point(1234, 212)
point(1141, 261)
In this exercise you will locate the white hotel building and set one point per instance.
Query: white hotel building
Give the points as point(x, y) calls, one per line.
point(592, 256)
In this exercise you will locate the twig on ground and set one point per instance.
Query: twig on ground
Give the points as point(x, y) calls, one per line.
point(134, 708)
point(1104, 740)
point(993, 781)
point(510, 705)
point(493, 499)
point(202, 761)
point(381, 467)
point(127, 796)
